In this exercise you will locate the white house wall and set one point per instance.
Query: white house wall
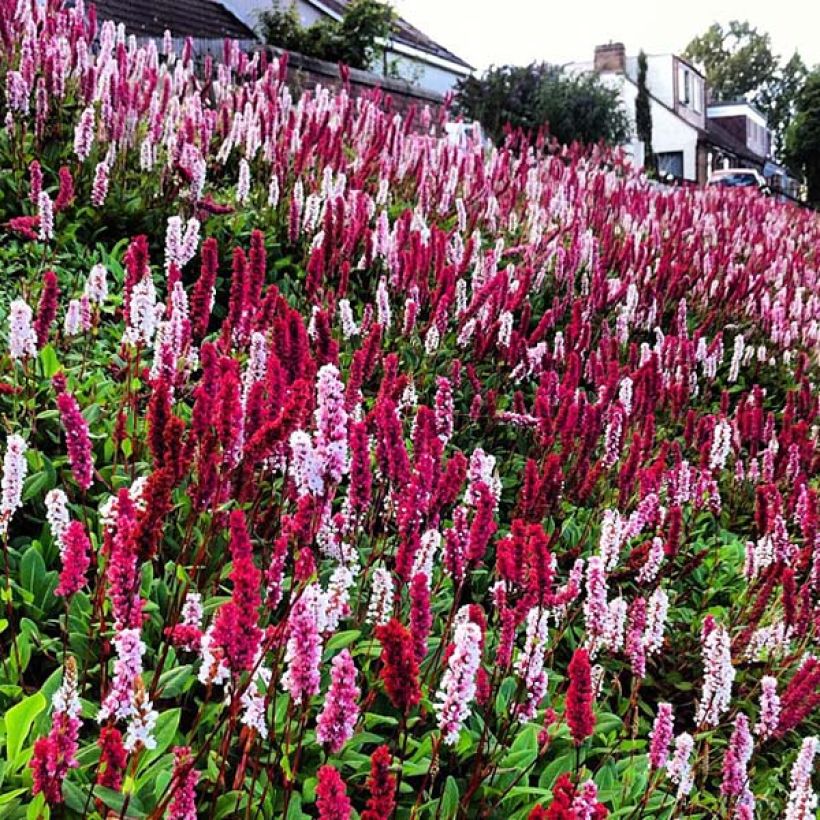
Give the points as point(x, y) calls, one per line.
point(660, 77)
point(433, 78)
point(669, 132)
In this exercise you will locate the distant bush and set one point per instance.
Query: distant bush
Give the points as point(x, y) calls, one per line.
point(573, 108)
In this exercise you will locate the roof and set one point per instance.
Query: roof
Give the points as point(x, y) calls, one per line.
point(405, 33)
point(200, 19)
point(742, 103)
point(689, 64)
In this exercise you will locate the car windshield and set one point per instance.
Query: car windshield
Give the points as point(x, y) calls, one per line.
point(736, 180)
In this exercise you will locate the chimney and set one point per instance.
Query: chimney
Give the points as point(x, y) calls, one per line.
point(611, 57)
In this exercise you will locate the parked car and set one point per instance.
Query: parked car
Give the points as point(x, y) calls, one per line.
point(461, 133)
point(739, 178)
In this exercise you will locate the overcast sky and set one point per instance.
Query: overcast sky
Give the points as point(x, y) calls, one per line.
point(484, 32)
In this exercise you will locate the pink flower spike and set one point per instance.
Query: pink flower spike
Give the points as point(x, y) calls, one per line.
point(337, 719)
point(77, 439)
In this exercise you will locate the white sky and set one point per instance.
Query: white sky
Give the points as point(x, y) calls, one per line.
point(483, 32)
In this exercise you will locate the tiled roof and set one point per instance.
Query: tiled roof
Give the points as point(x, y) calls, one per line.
point(200, 19)
point(405, 33)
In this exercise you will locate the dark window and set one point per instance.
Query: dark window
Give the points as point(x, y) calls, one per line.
point(671, 162)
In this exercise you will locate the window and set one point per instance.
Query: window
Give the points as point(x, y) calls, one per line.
point(697, 99)
point(684, 86)
point(670, 163)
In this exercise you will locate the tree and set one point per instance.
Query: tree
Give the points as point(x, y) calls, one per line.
point(740, 64)
point(364, 26)
point(574, 108)
point(356, 39)
point(643, 112)
point(738, 60)
point(803, 135)
point(282, 27)
point(777, 99)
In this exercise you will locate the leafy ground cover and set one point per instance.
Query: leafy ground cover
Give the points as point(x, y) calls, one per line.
point(347, 471)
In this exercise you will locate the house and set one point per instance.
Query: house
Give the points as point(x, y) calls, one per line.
point(737, 136)
point(691, 137)
point(409, 54)
point(745, 123)
point(677, 97)
point(206, 22)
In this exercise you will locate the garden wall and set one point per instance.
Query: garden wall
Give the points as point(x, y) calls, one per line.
point(305, 72)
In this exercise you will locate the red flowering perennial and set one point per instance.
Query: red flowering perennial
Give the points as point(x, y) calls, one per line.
point(483, 526)
point(183, 784)
point(580, 717)
point(46, 307)
point(800, 697)
point(569, 803)
point(202, 297)
point(331, 795)
point(381, 785)
point(65, 196)
point(122, 572)
point(56, 753)
point(400, 669)
point(236, 627)
point(421, 617)
point(76, 550)
point(113, 758)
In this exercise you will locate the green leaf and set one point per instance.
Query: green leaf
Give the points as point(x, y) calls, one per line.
point(173, 682)
point(18, 722)
point(116, 800)
point(48, 361)
point(7, 797)
point(564, 763)
point(32, 570)
point(164, 734)
point(36, 581)
point(342, 639)
point(527, 739)
point(295, 807)
point(37, 809)
point(450, 798)
point(230, 804)
point(75, 797)
point(38, 484)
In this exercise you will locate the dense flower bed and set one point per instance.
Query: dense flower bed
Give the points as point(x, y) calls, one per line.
point(351, 472)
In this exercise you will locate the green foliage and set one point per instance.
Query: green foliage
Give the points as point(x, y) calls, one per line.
point(740, 64)
point(499, 766)
point(778, 98)
point(17, 723)
point(738, 59)
point(355, 40)
point(572, 108)
point(643, 110)
point(803, 136)
point(282, 27)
